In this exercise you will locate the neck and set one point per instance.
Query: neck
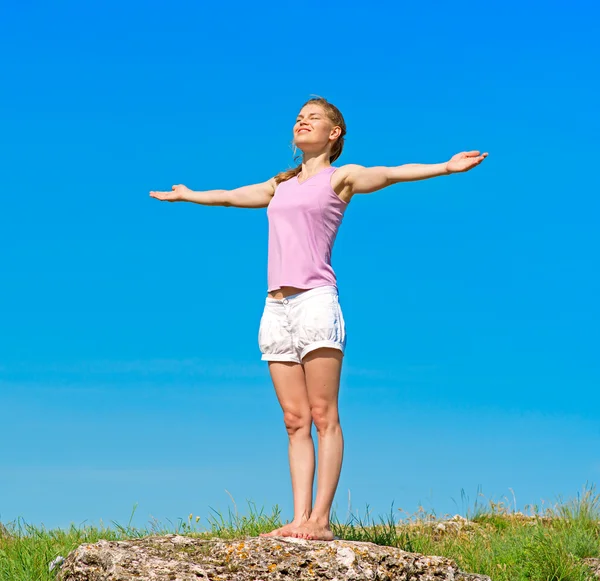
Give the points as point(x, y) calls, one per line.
point(313, 163)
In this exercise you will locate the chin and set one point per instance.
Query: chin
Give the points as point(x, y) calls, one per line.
point(305, 145)
point(301, 146)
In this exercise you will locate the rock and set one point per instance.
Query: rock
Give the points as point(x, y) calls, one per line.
point(56, 562)
point(594, 564)
point(458, 526)
point(181, 558)
point(436, 529)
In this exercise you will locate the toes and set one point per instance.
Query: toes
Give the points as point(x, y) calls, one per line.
point(272, 533)
point(301, 534)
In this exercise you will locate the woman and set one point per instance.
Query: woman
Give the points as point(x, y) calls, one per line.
point(302, 333)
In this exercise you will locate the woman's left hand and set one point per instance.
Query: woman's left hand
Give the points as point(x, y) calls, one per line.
point(464, 161)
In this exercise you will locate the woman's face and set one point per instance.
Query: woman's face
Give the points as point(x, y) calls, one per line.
point(313, 130)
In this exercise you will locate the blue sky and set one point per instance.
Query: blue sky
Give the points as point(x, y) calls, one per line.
point(129, 365)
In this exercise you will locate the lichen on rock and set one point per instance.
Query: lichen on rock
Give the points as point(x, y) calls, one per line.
point(181, 558)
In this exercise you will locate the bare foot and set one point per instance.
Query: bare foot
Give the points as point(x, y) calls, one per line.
point(284, 531)
point(313, 532)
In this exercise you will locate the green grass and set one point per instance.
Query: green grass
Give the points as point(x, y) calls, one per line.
point(506, 545)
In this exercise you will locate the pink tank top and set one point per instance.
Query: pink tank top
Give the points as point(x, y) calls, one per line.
point(303, 223)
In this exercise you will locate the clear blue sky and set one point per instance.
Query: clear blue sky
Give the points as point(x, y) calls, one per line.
point(129, 365)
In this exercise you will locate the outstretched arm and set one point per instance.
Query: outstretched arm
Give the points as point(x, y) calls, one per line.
point(365, 180)
point(254, 196)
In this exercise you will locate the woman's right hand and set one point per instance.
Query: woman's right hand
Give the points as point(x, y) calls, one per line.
point(177, 195)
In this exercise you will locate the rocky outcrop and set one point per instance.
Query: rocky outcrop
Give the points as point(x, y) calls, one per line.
point(594, 564)
point(182, 558)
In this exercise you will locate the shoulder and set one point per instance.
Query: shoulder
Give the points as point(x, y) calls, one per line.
point(347, 171)
point(343, 175)
point(341, 180)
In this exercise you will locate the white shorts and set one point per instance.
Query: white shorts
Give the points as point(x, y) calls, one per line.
point(292, 327)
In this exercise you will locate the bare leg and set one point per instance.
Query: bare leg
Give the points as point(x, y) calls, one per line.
point(322, 369)
point(290, 387)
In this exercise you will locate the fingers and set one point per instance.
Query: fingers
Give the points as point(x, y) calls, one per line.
point(160, 195)
point(157, 194)
point(475, 162)
point(476, 155)
point(169, 196)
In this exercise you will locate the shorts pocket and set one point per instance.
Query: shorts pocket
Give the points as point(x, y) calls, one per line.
point(263, 330)
point(320, 320)
point(341, 322)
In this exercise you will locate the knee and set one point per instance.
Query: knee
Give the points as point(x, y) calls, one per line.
point(297, 423)
point(325, 418)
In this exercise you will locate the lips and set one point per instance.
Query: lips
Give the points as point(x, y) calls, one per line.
point(303, 130)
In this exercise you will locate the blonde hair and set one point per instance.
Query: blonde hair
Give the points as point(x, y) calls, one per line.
point(335, 116)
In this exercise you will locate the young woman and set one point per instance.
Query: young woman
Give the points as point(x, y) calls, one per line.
point(302, 333)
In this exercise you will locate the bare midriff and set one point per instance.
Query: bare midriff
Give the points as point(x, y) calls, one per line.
point(285, 291)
